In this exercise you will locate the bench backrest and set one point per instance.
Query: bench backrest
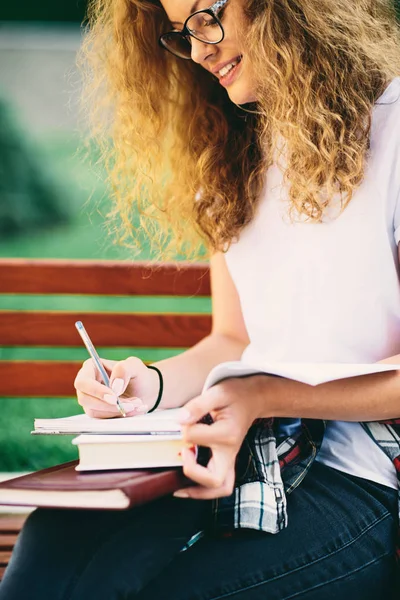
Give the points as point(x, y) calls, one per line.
point(50, 328)
point(28, 328)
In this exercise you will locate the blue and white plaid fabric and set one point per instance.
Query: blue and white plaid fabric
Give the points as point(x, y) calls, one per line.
point(265, 474)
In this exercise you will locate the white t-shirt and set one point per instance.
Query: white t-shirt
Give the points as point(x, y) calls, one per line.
point(330, 292)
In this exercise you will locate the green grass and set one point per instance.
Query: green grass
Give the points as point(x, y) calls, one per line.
point(84, 237)
point(19, 450)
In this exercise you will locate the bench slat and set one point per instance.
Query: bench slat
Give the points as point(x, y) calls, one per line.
point(37, 379)
point(7, 541)
point(37, 276)
point(5, 556)
point(12, 523)
point(122, 329)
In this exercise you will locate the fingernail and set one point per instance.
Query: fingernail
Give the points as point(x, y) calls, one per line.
point(184, 416)
point(181, 494)
point(110, 399)
point(142, 408)
point(118, 386)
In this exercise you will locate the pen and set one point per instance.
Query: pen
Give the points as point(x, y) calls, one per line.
point(96, 359)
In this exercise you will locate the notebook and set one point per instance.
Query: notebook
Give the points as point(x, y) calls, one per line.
point(310, 373)
point(63, 487)
point(157, 422)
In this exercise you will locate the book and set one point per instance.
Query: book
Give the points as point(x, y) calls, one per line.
point(309, 373)
point(102, 452)
point(63, 487)
point(158, 422)
point(143, 441)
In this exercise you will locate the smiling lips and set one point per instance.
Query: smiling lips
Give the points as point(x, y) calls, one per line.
point(228, 72)
point(222, 72)
point(222, 68)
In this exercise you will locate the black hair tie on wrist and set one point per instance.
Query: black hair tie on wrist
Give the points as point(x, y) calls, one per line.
point(160, 393)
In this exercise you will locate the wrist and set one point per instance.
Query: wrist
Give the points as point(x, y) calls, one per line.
point(267, 394)
point(160, 388)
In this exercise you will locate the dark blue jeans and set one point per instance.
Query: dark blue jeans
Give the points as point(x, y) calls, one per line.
point(339, 545)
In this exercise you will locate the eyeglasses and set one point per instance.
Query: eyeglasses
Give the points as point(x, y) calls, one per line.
point(203, 25)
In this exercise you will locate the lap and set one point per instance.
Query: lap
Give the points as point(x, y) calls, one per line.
point(340, 540)
point(76, 555)
point(339, 543)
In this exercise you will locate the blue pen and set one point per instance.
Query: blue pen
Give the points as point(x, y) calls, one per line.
point(96, 359)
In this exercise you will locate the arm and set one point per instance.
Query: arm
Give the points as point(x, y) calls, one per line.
point(184, 375)
point(366, 398)
point(235, 403)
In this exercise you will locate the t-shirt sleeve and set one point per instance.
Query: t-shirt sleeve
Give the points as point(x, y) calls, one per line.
point(397, 220)
point(395, 182)
point(387, 131)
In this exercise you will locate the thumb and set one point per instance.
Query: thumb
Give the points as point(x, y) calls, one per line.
point(124, 371)
point(118, 386)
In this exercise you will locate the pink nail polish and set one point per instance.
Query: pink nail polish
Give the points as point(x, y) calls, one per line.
point(118, 386)
point(181, 494)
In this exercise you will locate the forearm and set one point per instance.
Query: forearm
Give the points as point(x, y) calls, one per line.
point(184, 375)
point(366, 398)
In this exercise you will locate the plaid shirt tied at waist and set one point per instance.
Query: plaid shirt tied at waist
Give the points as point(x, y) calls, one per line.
point(266, 471)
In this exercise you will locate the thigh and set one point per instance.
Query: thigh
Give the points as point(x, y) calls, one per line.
point(76, 555)
point(339, 543)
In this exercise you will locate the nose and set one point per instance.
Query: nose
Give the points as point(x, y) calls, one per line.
point(201, 51)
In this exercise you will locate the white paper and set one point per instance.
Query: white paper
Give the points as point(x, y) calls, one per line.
point(160, 421)
point(310, 373)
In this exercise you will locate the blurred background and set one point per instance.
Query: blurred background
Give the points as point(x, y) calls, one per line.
point(51, 203)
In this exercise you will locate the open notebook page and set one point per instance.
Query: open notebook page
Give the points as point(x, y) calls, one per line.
point(310, 373)
point(160, 421)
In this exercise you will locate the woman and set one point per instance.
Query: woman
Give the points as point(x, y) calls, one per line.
point(273, 129)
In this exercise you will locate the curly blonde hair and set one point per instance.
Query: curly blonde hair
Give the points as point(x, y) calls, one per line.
point(190, 162)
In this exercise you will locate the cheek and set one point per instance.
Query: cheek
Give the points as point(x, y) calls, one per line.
point(243, 91)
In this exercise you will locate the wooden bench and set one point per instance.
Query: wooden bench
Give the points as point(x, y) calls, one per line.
point(44, 328)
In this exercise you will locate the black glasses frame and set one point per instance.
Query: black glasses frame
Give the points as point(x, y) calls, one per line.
point(186, 33)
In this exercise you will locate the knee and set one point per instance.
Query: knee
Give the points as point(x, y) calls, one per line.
point(39, 552)
point(44, 522)
point(44, 530)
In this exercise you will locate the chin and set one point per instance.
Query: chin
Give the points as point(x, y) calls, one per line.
point(241, 96)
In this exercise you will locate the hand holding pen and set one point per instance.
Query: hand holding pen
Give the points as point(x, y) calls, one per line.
point(96, 359)
point(101, 383)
